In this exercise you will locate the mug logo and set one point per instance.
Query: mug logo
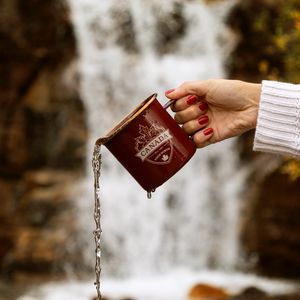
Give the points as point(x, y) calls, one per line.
point(154, 144)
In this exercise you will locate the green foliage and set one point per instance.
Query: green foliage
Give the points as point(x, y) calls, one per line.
point(269, 47)
point(286, 40)
point(292, 168)
point(282, 24)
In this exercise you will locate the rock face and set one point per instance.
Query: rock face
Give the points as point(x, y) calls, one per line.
point(42, 137)
point(205, 291)
point(253, 293)
point(272, 226)
point(271, 229)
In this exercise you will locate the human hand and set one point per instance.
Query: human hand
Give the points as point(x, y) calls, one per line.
point(215, 109)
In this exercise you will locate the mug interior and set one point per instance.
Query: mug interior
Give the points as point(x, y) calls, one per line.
point(126, 120)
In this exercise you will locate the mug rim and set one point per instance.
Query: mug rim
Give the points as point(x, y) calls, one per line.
point(127, 120)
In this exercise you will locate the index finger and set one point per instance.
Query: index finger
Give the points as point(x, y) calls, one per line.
point(198, 88)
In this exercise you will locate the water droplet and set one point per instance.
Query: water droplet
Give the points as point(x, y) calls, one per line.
point(149, 193)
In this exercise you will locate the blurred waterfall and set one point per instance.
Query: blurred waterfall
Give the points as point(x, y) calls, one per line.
point(128, 50)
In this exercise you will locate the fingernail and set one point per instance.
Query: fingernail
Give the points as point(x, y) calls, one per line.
point(169, 91)
point(191, 99)
point(203, 106)
point(203, 120)
point(208, 131)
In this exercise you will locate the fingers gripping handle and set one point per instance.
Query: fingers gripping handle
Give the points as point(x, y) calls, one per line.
point(168, 104)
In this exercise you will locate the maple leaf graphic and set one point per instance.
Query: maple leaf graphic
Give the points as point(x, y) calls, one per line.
point(142, 139)
point(147, 134)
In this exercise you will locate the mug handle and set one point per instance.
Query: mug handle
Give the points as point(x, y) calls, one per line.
point(168, 104)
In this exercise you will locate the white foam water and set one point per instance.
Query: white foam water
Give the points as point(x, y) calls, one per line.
point(193, 218)
point(171, 286)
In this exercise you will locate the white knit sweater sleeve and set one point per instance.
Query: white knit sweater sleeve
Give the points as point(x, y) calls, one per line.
point(278, 123)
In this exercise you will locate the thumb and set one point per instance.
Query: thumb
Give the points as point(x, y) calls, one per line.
point(199, 88)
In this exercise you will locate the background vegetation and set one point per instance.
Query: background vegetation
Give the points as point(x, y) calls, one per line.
point(269, 47)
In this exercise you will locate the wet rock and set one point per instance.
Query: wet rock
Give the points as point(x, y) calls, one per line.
point(272, 229)
point(284, 297)
point(43, 227)
point(295, 296)
point(105, 298)
point(10, 291)
point(205, 291)
point(251, 293)
point(43, 135)
point(170, 27)
point(126, 37)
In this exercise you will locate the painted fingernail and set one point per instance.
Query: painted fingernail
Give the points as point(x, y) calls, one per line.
point(169, 91)
point(203, 106)
point(203, 120)
point(208, 131)
point(191, 99)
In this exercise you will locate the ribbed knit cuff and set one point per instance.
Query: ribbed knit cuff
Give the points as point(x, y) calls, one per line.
point(278, 123)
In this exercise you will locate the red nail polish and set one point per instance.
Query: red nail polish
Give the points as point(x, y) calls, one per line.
point(191, 99)
point(203, 120)
point(203, 106)
point(169, 91)
point(208, 131)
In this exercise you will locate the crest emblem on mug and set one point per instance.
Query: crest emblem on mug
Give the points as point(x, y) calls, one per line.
point(154, 144)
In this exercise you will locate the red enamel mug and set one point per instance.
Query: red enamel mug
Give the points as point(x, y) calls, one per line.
point(149, 144)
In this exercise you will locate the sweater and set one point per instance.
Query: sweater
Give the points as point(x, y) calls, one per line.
point(278, 122)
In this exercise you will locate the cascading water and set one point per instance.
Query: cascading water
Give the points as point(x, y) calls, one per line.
point(129, 50)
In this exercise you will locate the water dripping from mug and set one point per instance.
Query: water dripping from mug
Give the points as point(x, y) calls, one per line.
point(149, 193)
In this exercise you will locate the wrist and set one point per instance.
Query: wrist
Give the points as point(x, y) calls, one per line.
point(253, 99)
